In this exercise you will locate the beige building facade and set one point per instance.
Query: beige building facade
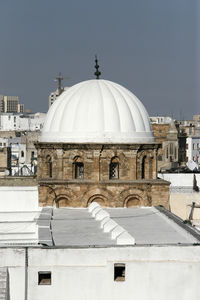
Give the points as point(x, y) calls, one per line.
point(97, 145)
point(113, 175)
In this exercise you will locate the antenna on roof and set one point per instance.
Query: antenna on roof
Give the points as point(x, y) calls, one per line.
point(60, 78)
point(97, 73)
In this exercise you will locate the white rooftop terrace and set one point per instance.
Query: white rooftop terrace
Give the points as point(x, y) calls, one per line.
point(88, 227)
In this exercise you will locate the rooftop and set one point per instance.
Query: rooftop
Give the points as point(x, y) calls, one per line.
point(95, 226)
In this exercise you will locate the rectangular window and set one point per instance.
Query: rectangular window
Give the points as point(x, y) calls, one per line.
point(119, 272)
point(79, 170)
point(44, 278)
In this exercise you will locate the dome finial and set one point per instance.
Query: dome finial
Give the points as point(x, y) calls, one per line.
point(97, 73)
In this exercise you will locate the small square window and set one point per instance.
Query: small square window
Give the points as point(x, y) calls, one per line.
point(119, 272)
point(44, 278)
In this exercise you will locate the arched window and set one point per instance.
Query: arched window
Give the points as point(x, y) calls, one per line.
point(78, 168)
point(143, 167)
point(49, 166)
point(114, 168)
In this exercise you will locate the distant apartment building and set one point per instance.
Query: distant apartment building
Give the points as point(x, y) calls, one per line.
point(193, 148)
point(196, 118)
point(21, 122)
point(160, 120)
point(54, 95)
point(10, 104)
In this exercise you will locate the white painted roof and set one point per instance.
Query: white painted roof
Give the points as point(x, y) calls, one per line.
point(97, 111)
point(119, 226)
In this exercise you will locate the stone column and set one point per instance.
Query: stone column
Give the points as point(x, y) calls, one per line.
point(133, 165)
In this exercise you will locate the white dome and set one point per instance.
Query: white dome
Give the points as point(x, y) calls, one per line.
point(97, 111)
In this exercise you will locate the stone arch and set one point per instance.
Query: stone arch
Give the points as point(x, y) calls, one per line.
point(62, 201)
point(65, 197)
point(100, 195)
point(100, 199)
point(133, 201)
point(134, 193)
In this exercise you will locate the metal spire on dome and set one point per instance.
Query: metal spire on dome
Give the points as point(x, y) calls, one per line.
point(97, 73)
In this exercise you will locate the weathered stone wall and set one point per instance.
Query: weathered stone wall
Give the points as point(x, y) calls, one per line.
point(3, 160)
point(18, 181)
point(112, 194)
point(136, 185)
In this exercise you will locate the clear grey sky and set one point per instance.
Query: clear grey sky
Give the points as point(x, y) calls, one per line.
point(149, 46)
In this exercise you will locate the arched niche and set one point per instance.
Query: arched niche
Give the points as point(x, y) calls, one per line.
point(100, 199)
point(62, 202)
point(133, 202)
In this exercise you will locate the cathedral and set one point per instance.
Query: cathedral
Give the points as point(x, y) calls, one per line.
point(97, 145)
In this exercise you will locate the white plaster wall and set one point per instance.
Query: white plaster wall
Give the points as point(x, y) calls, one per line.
point(180, 204)
point(181, 179)
point(193, 153)
point(181, 200)
point(152, 273)
point(14, 259)
point(31, 122)
point(20, 198)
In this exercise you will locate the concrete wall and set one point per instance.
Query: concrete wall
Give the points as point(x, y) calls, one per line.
point(181, 179)
point(182, 194)
point(18, 198)
point(152, 273)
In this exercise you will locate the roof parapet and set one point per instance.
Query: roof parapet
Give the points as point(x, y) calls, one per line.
point(108, 225)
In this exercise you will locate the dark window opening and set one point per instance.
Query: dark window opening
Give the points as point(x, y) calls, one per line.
point(143, 167)
point(49, 167)
point(22, 153)
point(79, 170)
point(119, 272)
point(44, 278)
point(114, 170)
point(32, 154)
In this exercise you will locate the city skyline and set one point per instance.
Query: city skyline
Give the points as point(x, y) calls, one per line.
point(150, 47)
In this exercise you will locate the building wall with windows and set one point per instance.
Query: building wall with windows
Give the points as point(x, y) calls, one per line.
point(54, 95)
point(10, 104)
point(22, 122)
point(193, 148)
point(168, 154)
point(92, 271)
point(120, 175)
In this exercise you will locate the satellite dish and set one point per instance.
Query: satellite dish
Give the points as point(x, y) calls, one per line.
point(7, 172)
point(192, 165)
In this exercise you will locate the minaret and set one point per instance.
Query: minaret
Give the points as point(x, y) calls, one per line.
point(97, 73)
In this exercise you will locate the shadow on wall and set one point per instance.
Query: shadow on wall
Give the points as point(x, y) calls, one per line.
point(195, 186)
